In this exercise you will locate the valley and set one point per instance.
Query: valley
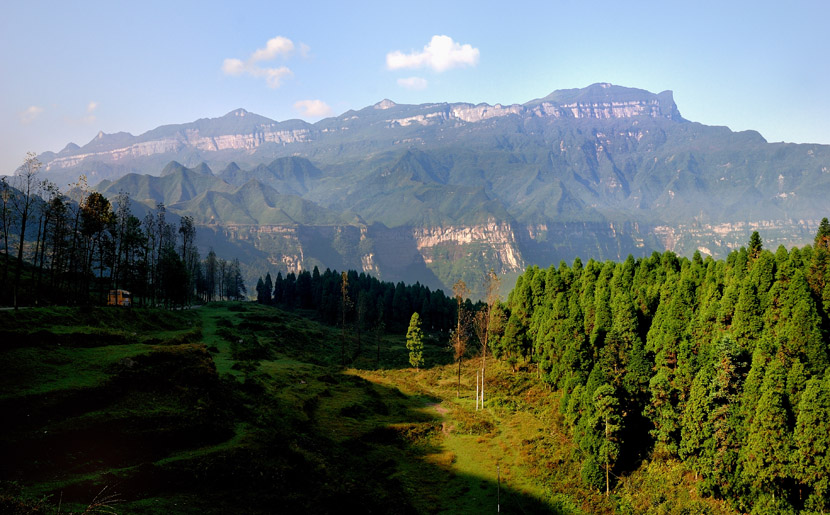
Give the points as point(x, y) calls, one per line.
point(414, 258)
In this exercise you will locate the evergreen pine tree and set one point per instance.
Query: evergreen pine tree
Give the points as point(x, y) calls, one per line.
point(747, 323)
point(414, 341)
point(696, 428)
point(260, 294)
point(766, 455)
point(721, 450)
point(812, 443)
point(662, 411)
point(608, 423)
point(823, 235)
point(755, 246)
point(800, 330)
point(269, 287)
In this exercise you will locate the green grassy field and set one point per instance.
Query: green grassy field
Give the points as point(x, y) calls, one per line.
point(237, 407)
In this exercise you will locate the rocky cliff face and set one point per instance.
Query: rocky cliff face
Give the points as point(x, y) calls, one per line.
point(600, 110)
point(190, 138)
point(499, 238)
point(438, 256)
point(402, 253)
point(652, 107)
point(718, 240)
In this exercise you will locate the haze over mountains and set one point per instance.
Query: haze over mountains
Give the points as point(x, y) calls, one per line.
point(437, 192)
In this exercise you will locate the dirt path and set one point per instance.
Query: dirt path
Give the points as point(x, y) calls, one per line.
point(445, 427)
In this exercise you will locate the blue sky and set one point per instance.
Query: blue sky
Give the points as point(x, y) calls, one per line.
point(71, 69)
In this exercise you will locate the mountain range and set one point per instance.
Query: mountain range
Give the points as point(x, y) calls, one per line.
point(438, 192)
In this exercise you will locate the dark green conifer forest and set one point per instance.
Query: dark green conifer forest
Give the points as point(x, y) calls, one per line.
point(722, 365)
point(368, 302)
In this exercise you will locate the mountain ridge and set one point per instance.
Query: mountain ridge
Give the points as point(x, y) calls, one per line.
point(241, 129)
point(446, 190)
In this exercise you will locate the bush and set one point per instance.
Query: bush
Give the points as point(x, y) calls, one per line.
point(473, 423)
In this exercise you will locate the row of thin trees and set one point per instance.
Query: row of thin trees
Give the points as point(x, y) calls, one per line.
point(72, 247)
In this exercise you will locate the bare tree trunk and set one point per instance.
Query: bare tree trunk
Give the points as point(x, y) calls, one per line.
point(344, 291)
point(19, 271)
point(88, 268)
point(73, 251)
point(483, 368)
point(482, 388)
point(26, 185)
point(607, 464)
point(5, 218)
point(477, 391)
point(458, 389)
point(35, 275)
point(357, 330)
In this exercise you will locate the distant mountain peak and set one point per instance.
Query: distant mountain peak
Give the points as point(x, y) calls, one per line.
point(605, 93)
point(384, 104)
point(70, 147)
point(176, 167)
point(232, 167)
point(171, 168)
point(241, 113)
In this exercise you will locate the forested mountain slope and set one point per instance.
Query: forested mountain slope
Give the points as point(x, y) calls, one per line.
point(720, 364)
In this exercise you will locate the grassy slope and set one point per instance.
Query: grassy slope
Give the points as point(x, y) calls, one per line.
point(258, 417)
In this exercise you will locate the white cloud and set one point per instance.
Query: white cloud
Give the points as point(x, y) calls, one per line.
point(413, 83)
point(275, 47)
point(312, 108)
point(440, 54)
point(30, 114)
point(273, 76)
point(90, 112)
point(233, 67)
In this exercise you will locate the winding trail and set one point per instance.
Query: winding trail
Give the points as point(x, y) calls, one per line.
point(441, 410)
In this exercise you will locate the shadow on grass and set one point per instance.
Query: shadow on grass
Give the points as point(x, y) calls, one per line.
point(316, 442)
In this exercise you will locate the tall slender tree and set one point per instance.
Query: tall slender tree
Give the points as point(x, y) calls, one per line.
point(823, 235)
point(415, 341)
point(769, 446)
point(25, 181)
point(608, 419)
point(755, 246)
point(492, 285)
point(5, 224)
point(812, 442)
point(459, 336)
point(345, 305)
